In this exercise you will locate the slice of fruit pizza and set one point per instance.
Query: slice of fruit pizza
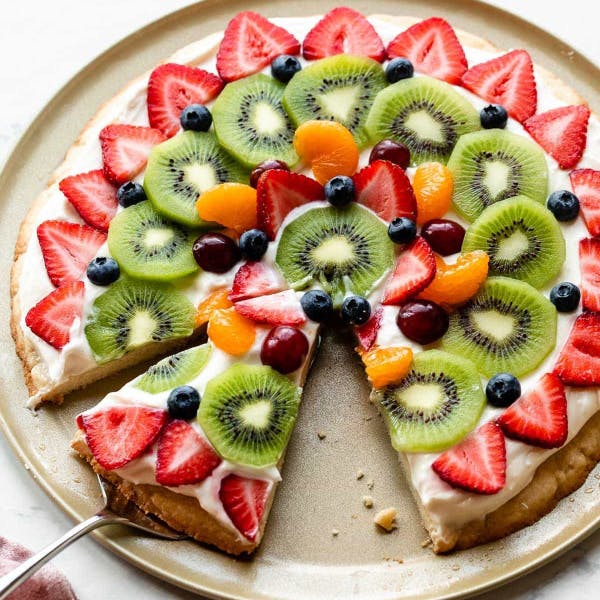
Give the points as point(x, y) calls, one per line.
point(433, 193)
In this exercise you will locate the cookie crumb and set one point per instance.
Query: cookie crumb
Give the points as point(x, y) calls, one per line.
point(321, 435)
point(335, 532)
point(385, 518)
point(426, 543)
point(354, 516)
point(360, 474)
point(399, 560)
point(370, 484)
point(367, 501)
point(455, 567)
point(368, 418)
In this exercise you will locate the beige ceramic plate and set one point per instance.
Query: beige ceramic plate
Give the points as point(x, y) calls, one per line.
point(299, 557)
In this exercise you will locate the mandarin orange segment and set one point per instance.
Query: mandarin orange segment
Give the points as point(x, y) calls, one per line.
point(215, 301)
point(456, 283)
point(231, 332)
point(386, 366)
point(328, 147)
point(432, 184)
point(230, 204)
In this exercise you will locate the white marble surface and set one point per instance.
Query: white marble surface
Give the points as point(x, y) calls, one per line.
point(42, 44)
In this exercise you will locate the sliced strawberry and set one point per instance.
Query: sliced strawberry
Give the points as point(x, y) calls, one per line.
point(183, 456)
point(125, 150)
point(171, 88)
point(586, 186)
point(589, 264)
point(507, 80)
point(561, 132)
point(250, 43)
point(278, 193)
point(244, 502)
point(539, 417)
point(384, 188)
point(118, 434)
point(478, 463)
point(415, 269)
point(67, 249)
point(255, 279)
point(433, 49)
point(92, 196)
point(579, 360)
point(343, 30)
point(367, 333)
point(51, 318)
point(283, 308)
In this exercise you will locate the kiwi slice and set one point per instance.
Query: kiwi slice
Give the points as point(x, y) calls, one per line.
point(181, 168)
point(492, 165)
point(522, 238)
point(248, 412)
point(175, 370)
point(131, 314)
point(342, 250)
point(148, 246)
point(337, 88)
point(426, 114)
point(251, 123)
point(508, 327)
point(436, 405)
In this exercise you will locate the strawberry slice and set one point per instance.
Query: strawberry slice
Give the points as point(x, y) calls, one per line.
point(118, 434)
point(586, 186)
point(51, 318)
point(415, 269)
point(507, 80)
point(539, 417)
point(477, 464)
point(255, 279)
point(171, 88)
point(67, 248)
point(589, 264)
point(125, 150)
point(384, 188)
point(283, 308)
point(92, 196)
point(561, 132)
point(579, 360)
point(244, 502)
point(367, 333)
point(433, 49)
point(250, 43)
point(278, 193)
point(183, 456)
point(343, 30)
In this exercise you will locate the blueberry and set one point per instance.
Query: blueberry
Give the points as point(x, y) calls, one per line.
point(196, 117)
point(493, 116)
point(103, 270)
point(565, 296)
point(317, 305)
point(340, 190)
point(563, 204)
point(399, 68)
point(253, 244)
point(402, 230)
point(502, 390)
point(183, 402)
point(284, 67)
point(130, 193)
point(356, 310)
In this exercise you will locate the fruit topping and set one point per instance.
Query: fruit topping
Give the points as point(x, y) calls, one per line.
point(195, 117)
point(565, 296)
point(502, 390)
point(586, 186)
point(563, 204)
point(52, 317)
point(284, 67)
point(253, 244)
point(250, 43)
point(266, 165)
point(340, 190)
point(92, 196)
point(391, 151)
point(432, 185)
point(183, 402)
point(282, 308)
point(422, 321)
point(231, 332)
point(443, 235)
point(435, 405)
point(130, 193)
point(355, 310)
point(214, 301)
point(183, 456)
point(399, 68)
point(589, 264)
point(254, 279)
point(232, 205)
point(215, 252)
point(103, 270)
point(493, 116)
point(402, 230)
point(387, 366)
point(284, 349)
point(317, 305)
point(367, 333)
point(477, 464)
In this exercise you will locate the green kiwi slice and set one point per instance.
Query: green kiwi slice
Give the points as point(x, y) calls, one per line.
point(251, 123)
point(342, 250)
point(508, 327)
point(493, 165)
point(522, 238)
point(337, 88)
point(131, 314)
point(181, 168)
point(426, 114)
point(148, 246)
point(248, 412)
point(436, 405)
point(175, 370)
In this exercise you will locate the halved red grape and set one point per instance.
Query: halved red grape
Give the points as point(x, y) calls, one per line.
point(266, 165)
point(422, 321)
point(443, 235)
point(216, 252)
point(284, 349)
point(394, 152)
